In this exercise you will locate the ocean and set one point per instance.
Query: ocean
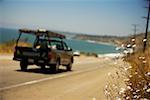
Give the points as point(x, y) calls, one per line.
point(80, 45)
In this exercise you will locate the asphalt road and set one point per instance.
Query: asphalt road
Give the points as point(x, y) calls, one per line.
point(85, 82)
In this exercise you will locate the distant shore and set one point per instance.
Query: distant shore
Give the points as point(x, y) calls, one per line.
point(87, 49)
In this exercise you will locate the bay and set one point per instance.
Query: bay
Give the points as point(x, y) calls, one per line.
point(80, 45)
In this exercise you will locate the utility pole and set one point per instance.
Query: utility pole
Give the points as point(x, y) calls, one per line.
point(133, 39)
point(147, 25)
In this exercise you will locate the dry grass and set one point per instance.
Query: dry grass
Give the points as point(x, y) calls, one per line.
point(136, 76)
point(138, 83)
point(8, 47)
point(115, 87)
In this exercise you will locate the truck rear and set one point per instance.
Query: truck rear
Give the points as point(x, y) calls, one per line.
point(45, 51)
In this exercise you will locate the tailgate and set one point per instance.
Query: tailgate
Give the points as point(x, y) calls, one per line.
point(26, 52)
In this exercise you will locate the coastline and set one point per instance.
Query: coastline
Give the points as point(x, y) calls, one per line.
point(100, 42)
point(85, 51)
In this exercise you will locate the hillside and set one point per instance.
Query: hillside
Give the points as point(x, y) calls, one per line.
point(114, 39)
point(106, 39)
point(138, 40)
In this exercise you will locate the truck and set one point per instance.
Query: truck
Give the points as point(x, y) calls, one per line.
point(48, 49)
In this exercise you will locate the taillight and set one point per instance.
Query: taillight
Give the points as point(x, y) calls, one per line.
point(50, 55)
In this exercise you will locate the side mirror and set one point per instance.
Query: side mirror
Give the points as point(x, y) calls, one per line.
point(69, 49)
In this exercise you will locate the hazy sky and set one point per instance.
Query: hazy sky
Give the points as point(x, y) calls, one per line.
point(103, 17)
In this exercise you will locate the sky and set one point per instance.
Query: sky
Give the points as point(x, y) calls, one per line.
point(100, 17)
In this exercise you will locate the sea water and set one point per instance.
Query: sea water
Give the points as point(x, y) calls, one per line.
point(80, 45)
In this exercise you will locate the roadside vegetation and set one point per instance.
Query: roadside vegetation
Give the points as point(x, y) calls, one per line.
point(89, 54)
point(8, 47)
point(135, 76)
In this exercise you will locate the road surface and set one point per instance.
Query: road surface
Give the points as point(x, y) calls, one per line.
point(85, 82)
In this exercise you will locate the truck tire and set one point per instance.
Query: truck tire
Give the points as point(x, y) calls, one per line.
point(23, 65)
point(55, 68)
point(43, 67)
point(69, 66)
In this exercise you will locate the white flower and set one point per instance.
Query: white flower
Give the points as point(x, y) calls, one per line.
point(128, 87)
point(106, 86)
point(130, 67)
point(126, 80)
point(134, 92)
point(127, 98)
point(130, 76)
point(118, 98)
point(136, 73)
point(144, 40)
point(106, 92)
point(139, 82)
point(145, 87)
point(130, 84)
point(122, 90)
point(134, 45)
point(144, 62)
point(142, 58)
point(114, 85)
point(139, 76)
point(148, 73)
point(137, 90)
point(133, 39)
point(138, 96)
point(135, 96)
point(148, 90)
point(125, 69)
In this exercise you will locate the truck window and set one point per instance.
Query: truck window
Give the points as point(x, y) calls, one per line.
point(26, 40)
point(65, 46)
point(56, 45)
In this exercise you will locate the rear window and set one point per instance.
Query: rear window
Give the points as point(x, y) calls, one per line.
point(26, 40)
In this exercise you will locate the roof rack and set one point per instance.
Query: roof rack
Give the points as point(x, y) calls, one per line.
point(41, 32)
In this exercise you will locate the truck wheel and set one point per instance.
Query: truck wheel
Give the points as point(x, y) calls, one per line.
point(43, 67)
point(55, 68)
point(69, 66)
point(23, 65)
